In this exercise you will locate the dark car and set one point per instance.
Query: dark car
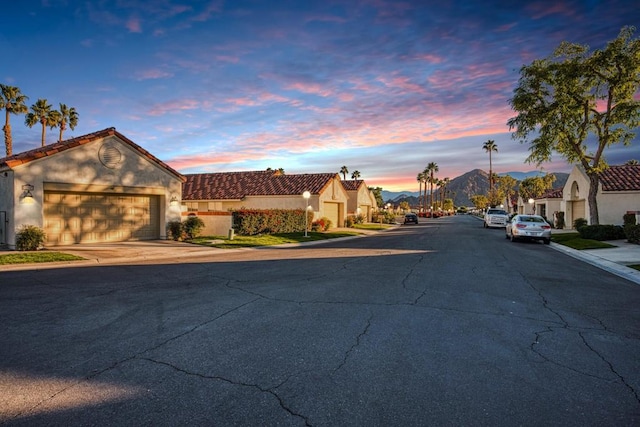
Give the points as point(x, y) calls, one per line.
point(411, 218)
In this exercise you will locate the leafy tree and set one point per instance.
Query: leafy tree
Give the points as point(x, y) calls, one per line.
point(490, 146)
point(41, 113)
point(535, 186)
point(13, 102)
point(564, 98)
point(404, 205)
point(63, 117)
point(355, 175)
point(447, 205)
point(506, 188)
point(480, 201)
point(344, 171)
point(377, 193)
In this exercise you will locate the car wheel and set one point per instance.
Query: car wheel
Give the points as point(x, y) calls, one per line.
point(506, 235)
point(485, 225)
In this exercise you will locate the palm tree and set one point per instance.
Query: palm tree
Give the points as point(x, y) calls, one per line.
point(13, 102)
point(344, 171)
point(445, 183)
point(63, 117)
point(632, 162)
point(490, 146)
point(431, 169)
point(420, 178)
point(355, 175)
point(41, 113)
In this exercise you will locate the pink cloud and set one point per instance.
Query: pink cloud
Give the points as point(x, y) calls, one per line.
point(133, 25)
point(173, 106)
point(311, 88)
point(152, 74)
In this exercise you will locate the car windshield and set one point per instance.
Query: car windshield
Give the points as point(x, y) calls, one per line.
point(497, 212)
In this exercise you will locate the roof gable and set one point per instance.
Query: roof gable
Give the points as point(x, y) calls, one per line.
point(58, 147)
point(237, 185)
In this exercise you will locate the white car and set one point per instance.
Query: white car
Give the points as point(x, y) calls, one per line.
point(496, 217)
point(528, 227)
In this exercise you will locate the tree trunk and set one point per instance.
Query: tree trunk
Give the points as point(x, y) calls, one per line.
point(8, 142)
point(594, 182)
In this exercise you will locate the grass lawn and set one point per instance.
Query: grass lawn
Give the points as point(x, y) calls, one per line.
point(573, 240)
point(372, 226)
point(39, 256)
point(223, 242)
point(635, 266)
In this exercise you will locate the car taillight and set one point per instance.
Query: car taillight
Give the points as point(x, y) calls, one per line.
point(521, 225)
point(546, 227)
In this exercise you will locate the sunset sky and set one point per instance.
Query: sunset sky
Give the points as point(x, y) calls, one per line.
point(382, 87)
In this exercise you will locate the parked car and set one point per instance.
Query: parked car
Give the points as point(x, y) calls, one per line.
point(528, 227)
point(495, 217)
point(411, 218)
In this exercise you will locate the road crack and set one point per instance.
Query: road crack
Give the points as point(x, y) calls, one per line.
point(355, 345)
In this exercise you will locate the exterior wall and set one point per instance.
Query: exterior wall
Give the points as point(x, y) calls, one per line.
point(80, 169)
point(7, 205)
point(333, 193)
point(613, 205)
point(575, 192)
point(360, 199)
point(215, 223)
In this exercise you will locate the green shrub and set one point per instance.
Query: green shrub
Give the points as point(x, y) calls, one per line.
point(360, 219)
point(175, 230)
point(601, 232)
point(385, 217)
point(322, 224)
point(629, 219)
point(633, 233)
point(559, 220)
point(349, 222)
point(578, 223)
point(250, 222)
point(192, 226)
point(29, 238)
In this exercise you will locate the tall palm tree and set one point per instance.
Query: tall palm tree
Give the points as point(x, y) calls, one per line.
point(13, 102)
point(430, 170)
point(490, 146)
point(63, 117)
point(355, 175)
point(344, 171)
point(41, 113)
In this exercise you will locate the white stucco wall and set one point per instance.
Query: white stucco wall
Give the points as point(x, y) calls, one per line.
point(80, 169)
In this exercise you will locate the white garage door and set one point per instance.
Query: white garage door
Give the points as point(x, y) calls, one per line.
point(99, 217)
point(331, 211)
point(578, 211)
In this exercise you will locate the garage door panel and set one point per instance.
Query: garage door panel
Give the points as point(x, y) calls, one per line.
point(92, 218)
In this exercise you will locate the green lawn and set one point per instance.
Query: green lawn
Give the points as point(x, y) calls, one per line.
point(223, 242)
point(371, 226)
point(573, 240)
point(39, 256)
point(635, 266)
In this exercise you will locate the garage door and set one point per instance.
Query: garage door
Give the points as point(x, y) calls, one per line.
point(331, 211)
point(578, 210)
point(99, 217)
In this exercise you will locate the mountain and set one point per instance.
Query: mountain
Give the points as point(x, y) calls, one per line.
point(464, 186)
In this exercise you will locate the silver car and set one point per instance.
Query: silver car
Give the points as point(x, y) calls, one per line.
point(528, 227)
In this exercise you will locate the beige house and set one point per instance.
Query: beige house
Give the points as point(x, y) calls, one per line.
point(212, 196)
point(361, 200)
point(618, 194)
point(546, 205)
point(100, 187)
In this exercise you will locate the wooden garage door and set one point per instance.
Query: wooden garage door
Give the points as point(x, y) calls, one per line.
point(331, 211)
point(98, 217)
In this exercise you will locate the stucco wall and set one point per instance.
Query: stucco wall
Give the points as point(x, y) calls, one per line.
point(215, 223)
point(80, 169)
point(612, 206)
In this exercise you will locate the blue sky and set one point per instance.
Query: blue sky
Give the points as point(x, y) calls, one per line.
point(383, 87)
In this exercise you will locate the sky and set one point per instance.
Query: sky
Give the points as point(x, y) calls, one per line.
point(382, 87)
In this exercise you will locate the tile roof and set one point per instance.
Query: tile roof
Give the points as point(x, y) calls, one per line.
point(237, 185)
point(352, 184)
point(554, 193)
point(621, 178)
point(55, 148)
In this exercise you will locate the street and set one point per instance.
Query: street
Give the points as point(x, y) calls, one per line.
point(440, 323)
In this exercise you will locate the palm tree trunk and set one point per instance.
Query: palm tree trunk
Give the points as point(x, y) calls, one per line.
point(44, 130)
point(8, 140)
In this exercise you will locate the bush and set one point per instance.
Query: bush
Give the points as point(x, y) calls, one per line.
point(629, 219)
point(269, 221)
point(633, 233)
point(360, 219)
point(192, 226)
point(322, 224)
point(559, 223)
point(578, 223)
point(175, 230)
point(601, 232)
point(385, 217)
point(29, 238)
point(349, 222)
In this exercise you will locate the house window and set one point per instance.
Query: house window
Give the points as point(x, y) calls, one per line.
point(543, 210)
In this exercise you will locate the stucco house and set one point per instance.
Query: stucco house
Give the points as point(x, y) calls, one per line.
point(100, 187)
point(618, 194)
point(545, 205)
point(212, 196)
point(361, 200)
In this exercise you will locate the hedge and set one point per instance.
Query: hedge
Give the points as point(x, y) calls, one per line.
point(249, 222)
point(601, 232)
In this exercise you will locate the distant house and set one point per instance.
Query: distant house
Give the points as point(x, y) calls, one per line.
point(545, 205)
point(212, 196)
point(100, 187)
point(361, 200)
point(618, 194)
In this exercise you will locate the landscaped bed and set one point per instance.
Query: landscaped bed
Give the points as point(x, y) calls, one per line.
point(36, 257)
point(573, 240)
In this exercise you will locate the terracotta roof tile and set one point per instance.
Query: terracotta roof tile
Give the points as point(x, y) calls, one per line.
point(621, 178)
point(554, 193)
point(237, 185)
point(352, 184)
point(55, 148)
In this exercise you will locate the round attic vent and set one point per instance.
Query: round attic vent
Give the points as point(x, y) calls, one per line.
point(110, 156)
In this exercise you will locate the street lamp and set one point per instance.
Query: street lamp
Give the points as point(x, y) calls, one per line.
point(306, 196)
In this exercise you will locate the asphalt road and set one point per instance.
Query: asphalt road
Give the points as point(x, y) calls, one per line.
point(443, 323)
